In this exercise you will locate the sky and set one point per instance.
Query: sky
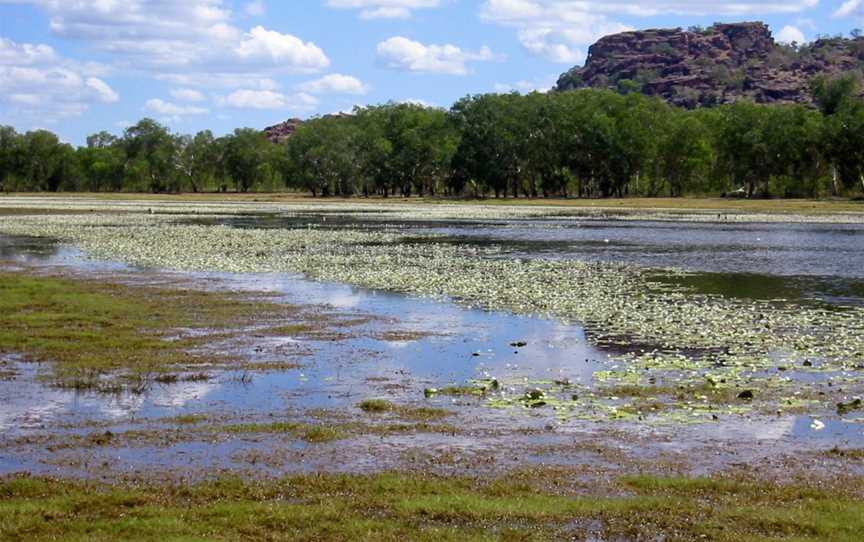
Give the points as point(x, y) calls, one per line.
point(77, 67)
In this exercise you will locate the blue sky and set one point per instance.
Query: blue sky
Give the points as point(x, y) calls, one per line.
point(80, 66)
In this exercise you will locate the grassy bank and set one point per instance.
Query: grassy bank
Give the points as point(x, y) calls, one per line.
point(782, 206)
point(525, 506)
point(100, 335)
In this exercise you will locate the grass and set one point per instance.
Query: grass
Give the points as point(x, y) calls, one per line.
point(109, 337)
point(380, 406)
point(308, 432)
point(793, 206)
point(394, 506)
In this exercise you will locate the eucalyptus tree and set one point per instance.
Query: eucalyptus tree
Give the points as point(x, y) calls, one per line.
point(488, 153)
point(322, 156)
point(246, 157)
point(685, 154)
point(151, 154)
point(102, 167)
point(9, 154)
point(743, 154)
point(405, 146)
point(831, 95)
point(199, 160)
point(843, 138)
point(39, 160)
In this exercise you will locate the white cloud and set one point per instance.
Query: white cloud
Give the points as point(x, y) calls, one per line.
point(851, 8)
point(188, 95)
point(161, 107)
point(37, 84)
point(527, 87)
point(105, 93)
point(417, 101)
point(268, 99)
point(558, 30)
point(401, 53)
point(255, 9)
point(24, 54)
point(790, 34)
point(335, 83)
point(384, 9)
point(268, 46)
point(189, 38)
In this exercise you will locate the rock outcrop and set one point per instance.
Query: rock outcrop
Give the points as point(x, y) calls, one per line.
point(280, 133)
point(721, 64)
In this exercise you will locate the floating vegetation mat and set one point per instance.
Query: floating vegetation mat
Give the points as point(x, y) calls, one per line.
point(677, 354)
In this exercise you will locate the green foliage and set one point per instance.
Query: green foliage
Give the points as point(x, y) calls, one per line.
point(586, 143)
point(831, 93)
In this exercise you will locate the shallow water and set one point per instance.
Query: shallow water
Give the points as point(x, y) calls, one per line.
point(771, 261)
point(823, 262)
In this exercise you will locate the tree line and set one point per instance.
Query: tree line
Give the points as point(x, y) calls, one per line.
point(586, 143)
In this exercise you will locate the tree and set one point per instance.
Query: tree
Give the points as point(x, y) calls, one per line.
point(198, 160)
point(323, 156)
point(102, 167)
point(246, 153)
point(9, 143)
point(685, 153)
point(405, 146)
point(39, 159)
point(830, 93)
point(844, 143)
point(151, 154)
point(742, 151)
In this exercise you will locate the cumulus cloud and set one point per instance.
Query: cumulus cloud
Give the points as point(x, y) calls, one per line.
point(36, 83)
point(268, 99)
point(161, 107)
point(527, 87)
point(188, 95)
point(558, 30)
point(850, 8)
point(335, 83)
point(189, 37)
point(790, 34)
point(255, 9)
point(268, 46)
point(384, 9)
point(401, 53)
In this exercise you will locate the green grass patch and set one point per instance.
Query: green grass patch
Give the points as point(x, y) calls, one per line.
point(395, 506)
point(110, 337)
point(309, 433)
point(380, 406)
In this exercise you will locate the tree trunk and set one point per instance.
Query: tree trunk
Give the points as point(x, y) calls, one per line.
point(835, 181)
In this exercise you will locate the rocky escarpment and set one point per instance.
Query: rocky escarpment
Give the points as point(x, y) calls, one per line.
point(279, 133)
point(721, 64)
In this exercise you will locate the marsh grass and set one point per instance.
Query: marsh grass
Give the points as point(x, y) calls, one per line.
point(111, 338)
point(380, 406)
point(398, 506)
point(312, 433)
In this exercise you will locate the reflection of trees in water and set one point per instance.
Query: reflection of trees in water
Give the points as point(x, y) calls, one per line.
point(835, 291)
point(27, 247)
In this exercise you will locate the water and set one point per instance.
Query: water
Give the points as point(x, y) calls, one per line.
point(823, 262)
point(820, 263)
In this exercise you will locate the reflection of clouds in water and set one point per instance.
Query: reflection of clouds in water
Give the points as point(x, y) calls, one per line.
point(767, 429)
point(29, 405)
point(343, 300)
point(179, 395)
